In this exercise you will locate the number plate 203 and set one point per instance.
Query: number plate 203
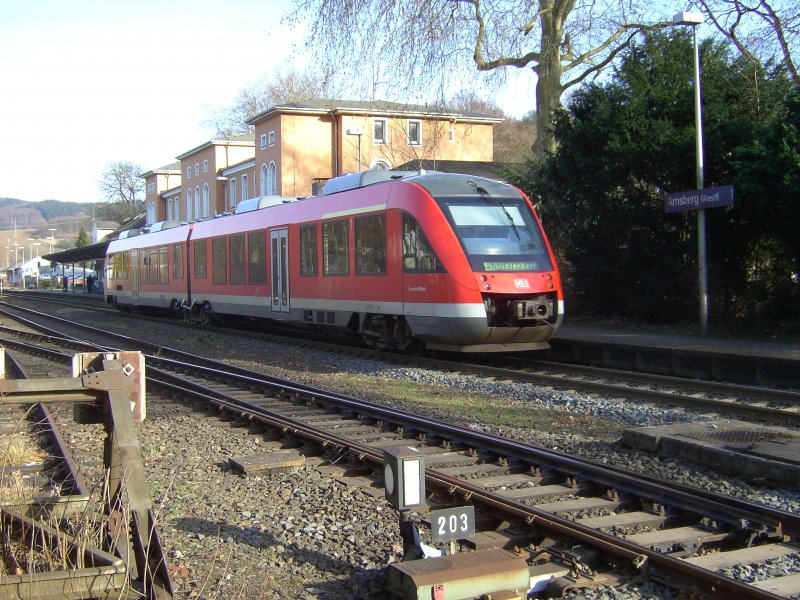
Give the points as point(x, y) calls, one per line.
point(452, 523)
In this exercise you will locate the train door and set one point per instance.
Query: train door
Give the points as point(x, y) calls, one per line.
point(134, 263)
point(279, 245)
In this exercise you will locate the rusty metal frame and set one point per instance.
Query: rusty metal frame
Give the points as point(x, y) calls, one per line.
point(131, 534)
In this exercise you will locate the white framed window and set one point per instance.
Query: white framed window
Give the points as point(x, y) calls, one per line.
point(245, 191)
point(379, 128)
point(197, 168)
point(188, 205)
point(271, 138)
point(272, 180)
point(151, 187)
point(206, 203)
point(414, 132)
point(177, 208)
point(263, 180)
point(232, 193)
point(205, 166)
point(169, 209)
point(452, 134)
point(263, 139)
point(197, 203)
point(188, 172)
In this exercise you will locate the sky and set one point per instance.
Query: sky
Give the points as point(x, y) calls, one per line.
point(86, 83)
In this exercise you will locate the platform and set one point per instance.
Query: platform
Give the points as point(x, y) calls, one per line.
point(758, 454)
point(723, 358)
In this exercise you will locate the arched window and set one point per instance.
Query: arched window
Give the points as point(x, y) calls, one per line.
point(263, 181)
point(189, 205)
point(245, 188)
point(206, 205)
point(233, 193)
point(151, 213)
point(177, 208)
point(197, 201)
point(272, 180)
point(169, 209)
point(380, 165)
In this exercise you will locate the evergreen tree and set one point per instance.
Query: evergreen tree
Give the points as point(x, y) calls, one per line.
point(621, 146)
point(82, 239)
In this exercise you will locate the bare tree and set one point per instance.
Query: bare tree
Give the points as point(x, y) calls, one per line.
point(280, 87)
point(427, 42)
point(759, 29)
point(123, 188)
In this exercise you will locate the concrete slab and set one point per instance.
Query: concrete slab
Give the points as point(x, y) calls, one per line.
point(758, 453)
point(268, 461)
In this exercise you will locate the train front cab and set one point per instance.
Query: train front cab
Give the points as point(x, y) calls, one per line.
point(496, 286)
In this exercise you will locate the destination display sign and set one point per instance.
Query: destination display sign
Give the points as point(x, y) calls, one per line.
point(697, 199)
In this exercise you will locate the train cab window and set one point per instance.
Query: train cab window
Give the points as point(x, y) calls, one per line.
point(237, 259)
point(219, 260)
point(418, 256)
point(334, 248)
point(498, 233)
point(257, 257)
point(177, 261)
point(200, 259)
point(308, 250)
point(371, 245)
point(163, 265)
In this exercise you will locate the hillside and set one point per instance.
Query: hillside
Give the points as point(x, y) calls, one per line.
point(38, 214)
point(48, 223)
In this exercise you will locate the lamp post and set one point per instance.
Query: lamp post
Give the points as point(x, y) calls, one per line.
point(357, 131)
point(52, 238)
point(695, 19)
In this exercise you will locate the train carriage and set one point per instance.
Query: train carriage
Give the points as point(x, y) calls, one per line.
point(438, 260)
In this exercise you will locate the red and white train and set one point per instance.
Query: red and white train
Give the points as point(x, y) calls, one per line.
point(436, 260)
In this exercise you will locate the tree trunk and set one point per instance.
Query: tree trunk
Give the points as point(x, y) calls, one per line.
point(548, 84)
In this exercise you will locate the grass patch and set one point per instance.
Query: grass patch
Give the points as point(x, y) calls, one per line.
point(466, 408)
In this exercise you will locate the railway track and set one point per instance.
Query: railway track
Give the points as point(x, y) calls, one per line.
point(739, 401)
point(573, 516)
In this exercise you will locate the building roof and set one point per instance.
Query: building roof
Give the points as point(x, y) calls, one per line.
point(370, 107)
point(167, 169)
point(245, 139)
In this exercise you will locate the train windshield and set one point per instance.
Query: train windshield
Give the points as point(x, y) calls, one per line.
point(499, 234)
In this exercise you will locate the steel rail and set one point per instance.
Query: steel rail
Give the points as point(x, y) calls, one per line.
point(673, 398)
point(631, 552)
point(637, 556)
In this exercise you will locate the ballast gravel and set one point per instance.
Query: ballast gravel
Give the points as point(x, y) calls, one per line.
point(299, 534)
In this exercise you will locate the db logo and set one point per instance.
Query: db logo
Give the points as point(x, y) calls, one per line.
point(521, 283)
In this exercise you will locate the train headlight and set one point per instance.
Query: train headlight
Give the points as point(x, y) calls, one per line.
point(486, 286)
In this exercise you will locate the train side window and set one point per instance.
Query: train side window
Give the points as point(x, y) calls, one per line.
point(371, 245)
point(152, 261)
point(237, 259)
point(177, 261)
point(334, 248)
point(308, 250)
point(257, 257)
point(163, 265)
point(219, 260)
point(200, 259)
point(143, 262)
point(418, 256)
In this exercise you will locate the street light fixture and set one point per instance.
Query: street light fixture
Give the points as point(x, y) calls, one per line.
point(694, 19)
point(52, 238)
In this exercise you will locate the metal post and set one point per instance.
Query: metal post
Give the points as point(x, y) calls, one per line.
point(701, 214)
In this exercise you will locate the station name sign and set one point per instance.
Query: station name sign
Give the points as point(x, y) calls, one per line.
point(697, 199)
